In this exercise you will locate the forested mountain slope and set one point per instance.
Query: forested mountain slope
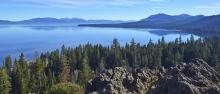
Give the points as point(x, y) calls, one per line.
point(199, 23)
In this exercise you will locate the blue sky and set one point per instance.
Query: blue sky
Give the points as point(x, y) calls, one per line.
point(104, 9)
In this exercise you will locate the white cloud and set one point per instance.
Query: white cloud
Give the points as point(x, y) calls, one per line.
point(214, 6)
point(81, 2)
point(158, 0)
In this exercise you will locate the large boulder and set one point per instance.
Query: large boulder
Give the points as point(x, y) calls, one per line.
point(196, 77)
point(120, 81)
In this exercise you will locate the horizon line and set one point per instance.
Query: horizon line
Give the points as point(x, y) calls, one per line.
point(89, 19)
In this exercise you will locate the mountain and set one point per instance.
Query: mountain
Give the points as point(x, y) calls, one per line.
point(167, 21)
point(106, 21)
point(155, 21)
point(49, 20)
point(205, 23)
point(182, 22)
point(5, 22)
point(164, 18)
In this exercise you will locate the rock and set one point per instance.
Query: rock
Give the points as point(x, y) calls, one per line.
point(196, 77)
point(122, 82)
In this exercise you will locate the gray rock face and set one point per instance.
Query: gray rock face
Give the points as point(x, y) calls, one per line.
point(120, 81)
point(196, 77)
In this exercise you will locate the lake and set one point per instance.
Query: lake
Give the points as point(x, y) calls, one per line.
point(30, 39)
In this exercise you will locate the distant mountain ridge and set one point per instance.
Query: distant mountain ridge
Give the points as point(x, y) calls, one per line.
point(5, 22)
point(49, 20)
point(209, 21)
point(164, 18)
point(164, 21)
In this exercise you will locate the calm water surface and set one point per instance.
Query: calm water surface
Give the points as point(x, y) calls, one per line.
point(32, 39)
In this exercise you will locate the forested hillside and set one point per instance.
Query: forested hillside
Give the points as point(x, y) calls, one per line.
point(195, 24)
point(69, 69)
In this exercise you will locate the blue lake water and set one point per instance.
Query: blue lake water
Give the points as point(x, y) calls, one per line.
point(41, 38)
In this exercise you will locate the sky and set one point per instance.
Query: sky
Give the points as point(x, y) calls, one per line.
point(16, 10)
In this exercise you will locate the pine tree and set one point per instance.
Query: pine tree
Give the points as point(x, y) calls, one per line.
point(21, 76)
point(5, 85)
point(64, 75)
point(8, 64)
point(86, 72)
point(133, 51)
point(37, 76)
point(51, 79)
point(86, 68)
point(117, 57)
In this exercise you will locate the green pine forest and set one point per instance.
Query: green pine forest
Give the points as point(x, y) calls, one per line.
point(67, 70)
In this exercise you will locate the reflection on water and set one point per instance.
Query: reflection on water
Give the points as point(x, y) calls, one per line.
point(40, 38)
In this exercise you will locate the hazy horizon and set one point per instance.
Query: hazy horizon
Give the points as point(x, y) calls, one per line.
point(110, 19)
point(16, 10)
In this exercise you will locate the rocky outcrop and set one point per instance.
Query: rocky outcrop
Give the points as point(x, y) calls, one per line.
point(197, 77)
point(120, 81)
